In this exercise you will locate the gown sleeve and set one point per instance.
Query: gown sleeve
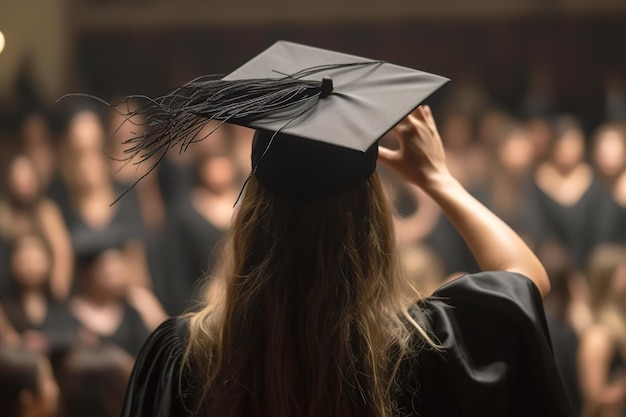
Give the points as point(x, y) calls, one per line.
point(496, 357)
point(154, 389)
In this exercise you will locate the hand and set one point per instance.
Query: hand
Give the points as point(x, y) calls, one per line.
point(421, 157)
point(422, 161)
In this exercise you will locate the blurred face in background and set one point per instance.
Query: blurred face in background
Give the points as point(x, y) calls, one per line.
point(122, 129)
point(91, 171)
point(37, 142)
point(569, 149)
point(85, 132)
point(516, 153)
point(23, 183)
point(108, 275)
point(87, 166)
point(606, 273)
point(609, 153)
point(30, 262)
point(217, 173)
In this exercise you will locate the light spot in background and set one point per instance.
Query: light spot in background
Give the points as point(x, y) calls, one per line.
point(2, 42)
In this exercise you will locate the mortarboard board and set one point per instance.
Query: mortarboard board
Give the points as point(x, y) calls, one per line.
point(318, 115)
point(366, 100)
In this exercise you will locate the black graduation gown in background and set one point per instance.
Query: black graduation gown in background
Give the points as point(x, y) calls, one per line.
point(574, 226)
point(497, 358)
point(192, 246)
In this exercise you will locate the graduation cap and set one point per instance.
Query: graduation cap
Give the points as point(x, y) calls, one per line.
point(318, 116)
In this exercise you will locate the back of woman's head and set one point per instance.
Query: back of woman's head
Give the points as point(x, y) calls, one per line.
point(93, 381)
point(605, 271)
point(326, 240)
point(304, 317)
point(26, 384)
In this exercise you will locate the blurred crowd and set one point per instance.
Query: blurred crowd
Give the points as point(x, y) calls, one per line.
point(92, 260)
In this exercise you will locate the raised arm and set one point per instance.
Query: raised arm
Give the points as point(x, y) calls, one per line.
point(420, 160)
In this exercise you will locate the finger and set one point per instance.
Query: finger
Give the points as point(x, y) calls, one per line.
point(386, 155)
point(404, 123)
point(403, 131)
point(416, 112)
point(421, 115)
point(409, 119)
point(430, 120)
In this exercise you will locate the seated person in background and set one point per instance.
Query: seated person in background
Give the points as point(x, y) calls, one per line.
point(100, 308)
point(93, 381)
point(23, 209)
point(198, 225)
point(41, 323)
point(27, 385)
point(89, 190)
point(602, 352)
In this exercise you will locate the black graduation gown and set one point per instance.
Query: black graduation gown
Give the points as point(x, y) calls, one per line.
point(57, 325)
point(130, 335)
point(497, 358)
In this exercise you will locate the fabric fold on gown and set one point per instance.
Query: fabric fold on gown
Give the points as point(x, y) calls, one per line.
point(497, 356)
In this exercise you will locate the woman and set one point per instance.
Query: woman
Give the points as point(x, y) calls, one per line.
point(25, 209)
point(198, 225)
point(100, 309)
point(608, 158)
point(509, 190)
point(91, 218)
point(42, 324)
point(569, 193)
point(37, 142)
point(602, 353)
point(87, 208)
point(308, 313)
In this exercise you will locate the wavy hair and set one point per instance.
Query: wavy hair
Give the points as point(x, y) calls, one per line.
point(605, 263)
point(308, 314)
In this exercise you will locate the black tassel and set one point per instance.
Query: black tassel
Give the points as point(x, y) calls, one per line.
point(177, 118)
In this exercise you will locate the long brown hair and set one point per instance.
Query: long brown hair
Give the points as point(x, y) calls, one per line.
point(605, 263)
point(308, 314)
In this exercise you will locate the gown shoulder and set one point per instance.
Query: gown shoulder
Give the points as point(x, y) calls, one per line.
point(154, 388)
point(495, 356)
